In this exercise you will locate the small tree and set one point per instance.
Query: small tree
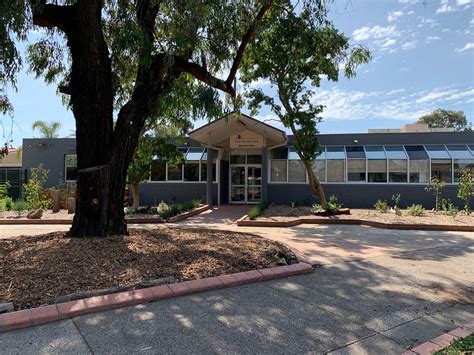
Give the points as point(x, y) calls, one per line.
point(466, 188)
point(47, 130)
point(294, 52)
point(34, 192)
point(435, 185)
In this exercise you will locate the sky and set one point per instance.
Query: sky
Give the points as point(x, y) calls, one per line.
point(423, 59)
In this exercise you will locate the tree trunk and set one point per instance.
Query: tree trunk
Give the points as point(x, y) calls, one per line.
point(135, 195)
point(314, 183)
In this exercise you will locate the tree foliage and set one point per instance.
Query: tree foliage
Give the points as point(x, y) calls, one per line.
point(447, 119)
point(294, 53)
point(47, 130)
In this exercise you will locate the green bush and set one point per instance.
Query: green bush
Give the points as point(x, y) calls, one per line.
point(466, 188)
point(381, 206)
point(449, 208)
point(435, 185)
point(256, 211)
point(332, 206)
point(163, 206)
point(35, 194)
point(178, 208)
point(416, 210)
point(20, 207)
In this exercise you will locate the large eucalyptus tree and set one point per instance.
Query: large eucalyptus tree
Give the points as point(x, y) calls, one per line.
point(120, 58)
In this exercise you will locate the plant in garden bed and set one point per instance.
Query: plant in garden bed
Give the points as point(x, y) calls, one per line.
point(381, 206)
point(449, 208)
point(435, 185)
point(416, 210)
point(330, 207)
point(466, 188)
point(5, 201)
point(178, 208)
point(396, 204)
point(256, 211)
point(459, 346)
point(35, 195)
point(20, 207)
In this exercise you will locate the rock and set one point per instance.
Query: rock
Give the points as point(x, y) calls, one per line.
point(36, 214)
point(6, 307)
point(71, 205)
point(55, 197)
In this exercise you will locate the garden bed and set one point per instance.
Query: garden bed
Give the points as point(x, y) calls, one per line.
point(36, 270)
point(283, 213)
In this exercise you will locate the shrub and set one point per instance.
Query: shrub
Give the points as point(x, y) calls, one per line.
point(416, 210)
point(178, 208)
point(163, 206)
point(396, 200)
point(20, 206)
point(332, 206)
point(256, 211)
point(449, 208)
point(381, 206)
point(466, 188)
point(34, 192)
point(435, 185)
point(398, 211)
point(5, 201)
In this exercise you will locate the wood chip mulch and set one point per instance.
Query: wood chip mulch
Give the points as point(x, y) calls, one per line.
point(36, 270)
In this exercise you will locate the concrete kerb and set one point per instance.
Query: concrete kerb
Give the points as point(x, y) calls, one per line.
point(442, 341)
point(177, 218)
point(51, 313)
point(244, 222)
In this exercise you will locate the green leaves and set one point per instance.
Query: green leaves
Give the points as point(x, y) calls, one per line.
point(447, 119)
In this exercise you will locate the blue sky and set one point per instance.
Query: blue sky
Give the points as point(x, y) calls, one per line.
point(423, 59)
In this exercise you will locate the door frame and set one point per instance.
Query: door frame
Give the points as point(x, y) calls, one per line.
point(246, 185)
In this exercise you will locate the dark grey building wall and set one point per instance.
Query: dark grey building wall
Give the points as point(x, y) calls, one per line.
point(224, 181)
point(49, 153)
point(360, 196)
point(152, 193)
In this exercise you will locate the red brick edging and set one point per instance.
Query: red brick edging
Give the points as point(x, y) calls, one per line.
point(47, 314)
point(177, 218)
point(244, 222)
point(442, 341)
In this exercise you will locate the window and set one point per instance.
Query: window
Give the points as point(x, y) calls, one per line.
point(437, 151)
point(419, 170)
point(335, 170)
point(319, 168)
point(158, 171)
point(460, 165)
point(356, 170)
point(377, 170)
point(395, 152)
point(459, 151)
point(293, 154)
point(279, 153)
point(254, 156)
point(278, 170)
point(296, 171)
point(335, 152)
point(375, 152)
point(397, 170)
point(238, 156)
point(191, 171)
point(416, 152)
point(204, 171)
point(441, 169)
point(354, 152)
point(70, 163)
point(175, 173)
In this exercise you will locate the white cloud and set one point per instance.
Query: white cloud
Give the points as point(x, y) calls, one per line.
point(444, 8)
point(434, 95)
point(394, 15)
point(430, 39)
point(396, 91)
point(460, 95)
point(365, 32)
point(463, 2)
point(411, 12)
point(389, 42)
point(468, 46)
point(259, 83)
point(409, 45)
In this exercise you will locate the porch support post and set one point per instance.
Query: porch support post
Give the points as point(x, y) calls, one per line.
point(209, 177)
point(264, 174)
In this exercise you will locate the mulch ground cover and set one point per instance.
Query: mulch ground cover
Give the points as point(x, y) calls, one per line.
point(36, 270)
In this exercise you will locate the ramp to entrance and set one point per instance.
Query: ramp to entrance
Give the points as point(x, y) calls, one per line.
point(223, 215)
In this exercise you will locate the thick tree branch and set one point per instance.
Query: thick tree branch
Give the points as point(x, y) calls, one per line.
point(146, 16)
point(181, 65)
point(245, 41)
point(50, 15)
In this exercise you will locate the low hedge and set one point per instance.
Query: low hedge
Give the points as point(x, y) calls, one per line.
point(179, 208)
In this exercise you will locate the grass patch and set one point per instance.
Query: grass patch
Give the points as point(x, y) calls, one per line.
point(256, 211)
point(459, 346)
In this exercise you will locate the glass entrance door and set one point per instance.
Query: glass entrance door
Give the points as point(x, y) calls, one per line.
point(245, 183)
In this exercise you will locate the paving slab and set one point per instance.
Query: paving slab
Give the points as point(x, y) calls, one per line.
point(377, 344)
point(54, 338)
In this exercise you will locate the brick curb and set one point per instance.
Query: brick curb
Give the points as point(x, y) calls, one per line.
point(442, 341)
point(177, 218)
point(51, 313)
point(244, 222)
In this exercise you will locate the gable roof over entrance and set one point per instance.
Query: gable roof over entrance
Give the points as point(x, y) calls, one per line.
point(218, 133)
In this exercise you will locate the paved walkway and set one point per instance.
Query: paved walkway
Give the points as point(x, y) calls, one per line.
point(378, 292)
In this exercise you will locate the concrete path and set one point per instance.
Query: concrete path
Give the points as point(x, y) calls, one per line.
point(378, 292)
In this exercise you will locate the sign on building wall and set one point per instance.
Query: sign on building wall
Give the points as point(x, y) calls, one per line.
point(246, 139)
